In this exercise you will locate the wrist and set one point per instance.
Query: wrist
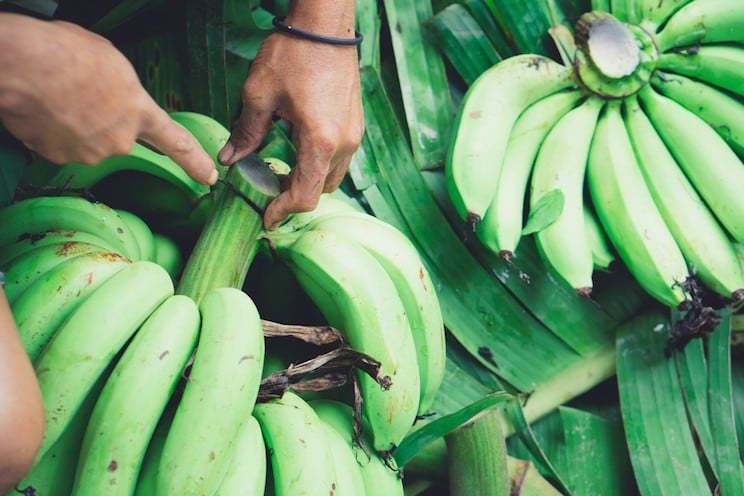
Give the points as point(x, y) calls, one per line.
point(331, 18)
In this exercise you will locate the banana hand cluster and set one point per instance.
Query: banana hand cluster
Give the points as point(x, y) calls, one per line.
point(111, 343)
point(369, 282)
point(631, 149)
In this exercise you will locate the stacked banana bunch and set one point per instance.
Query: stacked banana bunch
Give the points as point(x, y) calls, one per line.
point(367, 279)
point(632, 147)
point(96, 309)
point(149, 391)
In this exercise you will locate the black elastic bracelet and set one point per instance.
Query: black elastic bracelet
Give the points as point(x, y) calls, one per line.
point(2, 279)
point(279, 24)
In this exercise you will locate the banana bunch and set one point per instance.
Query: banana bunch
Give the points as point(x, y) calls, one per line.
point(92, 292)
point(369, 282)
point(631, 148)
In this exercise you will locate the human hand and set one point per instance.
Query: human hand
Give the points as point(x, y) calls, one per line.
point(71, 96)
point(314, 88)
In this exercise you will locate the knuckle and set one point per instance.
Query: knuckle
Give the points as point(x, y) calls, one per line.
point(304, 203)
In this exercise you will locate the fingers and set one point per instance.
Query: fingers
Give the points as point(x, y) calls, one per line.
point(170, 139)
point(304, 186)
point(246, 136)
point(336, 175)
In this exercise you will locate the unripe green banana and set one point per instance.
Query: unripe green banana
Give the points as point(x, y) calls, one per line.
point(704, 244)
point(54, 473)
point(24, 270)
point(403, 264)
point(721, 111)
point(219, 394)
point(140, 159)
point(168, 254)
point(349, 480)
point(90, 338)
point(653, 13)
point(356, 296)
point(484, 121)
point(28, 242)
point(53, 297)
point(560, 166)
point(141, 232)
point(246, 473)
point(709, 163)
point(73, 213)
point(147, 480)
point(501, 228)
point(628, 214)
point(134, 397)
point(703, 21)
point(602, 252)
point(300, 458)
point(210, 134)
point(719, 65)
point(378, 478)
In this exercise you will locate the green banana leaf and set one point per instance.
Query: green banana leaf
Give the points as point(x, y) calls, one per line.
point(436, 429)
point(587, 449)
point(422, 81)
point(480, 12)
point(728, 465)
point(462, 40)
point(660, 442)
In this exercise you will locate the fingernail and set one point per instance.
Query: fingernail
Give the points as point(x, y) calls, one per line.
point(226, 154)
point(213, 177)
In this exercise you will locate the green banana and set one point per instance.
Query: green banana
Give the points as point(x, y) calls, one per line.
point(349, 478)
point(24, 270)
point(704, 244)
point(73, 213)
point(602, 252)
point(653, 13)
point(628, 214)
point(703, 21)
point(210, 134)
point(356, 295)
point(149, 369)
point(484, 121)
point(560, 166)
point(168, 254)
point(147, 479)
point(43, 307)
point(719, 65)
point(722, 112)
point(378, 478)
point(709, 163)
point(142, 233)
point(28, 242)
point(90, 337)
point(300, 458)
point(220, 393)
point(403, 264)
point(327, 205)
point(54, 473)
point(140, 159)
point(246, 472)
point(501, 228)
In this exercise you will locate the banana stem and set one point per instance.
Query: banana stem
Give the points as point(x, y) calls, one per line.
point(229, 240)
point(476, 454)
point(570, 383)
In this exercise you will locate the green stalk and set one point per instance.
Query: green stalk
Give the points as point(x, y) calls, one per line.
point(476, 454)
point(574, 380)
point(229, 240)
